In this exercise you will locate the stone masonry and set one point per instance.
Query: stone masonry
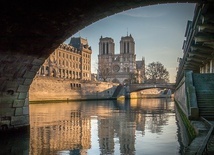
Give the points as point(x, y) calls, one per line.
point(51, 88)
point(19, 71)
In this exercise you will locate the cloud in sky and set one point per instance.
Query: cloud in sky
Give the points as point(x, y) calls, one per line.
point(147, 12)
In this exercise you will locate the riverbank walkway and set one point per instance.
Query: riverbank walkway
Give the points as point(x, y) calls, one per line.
point(203, 144)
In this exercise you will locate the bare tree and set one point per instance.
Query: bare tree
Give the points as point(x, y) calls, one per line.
point(104, 70)
point(156, 72)
point(133, 77)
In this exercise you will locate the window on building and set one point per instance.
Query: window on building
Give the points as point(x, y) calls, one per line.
point(127, 47)
point(103, 48)
point(124, 46)
point(107, 48)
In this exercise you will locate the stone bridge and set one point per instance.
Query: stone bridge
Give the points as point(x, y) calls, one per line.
point(142, 86)
point(30, 31)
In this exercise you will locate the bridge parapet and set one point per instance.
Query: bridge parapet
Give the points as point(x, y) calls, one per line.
point(142, 86)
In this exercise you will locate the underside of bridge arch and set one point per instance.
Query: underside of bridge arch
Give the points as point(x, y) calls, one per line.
point(30, 31)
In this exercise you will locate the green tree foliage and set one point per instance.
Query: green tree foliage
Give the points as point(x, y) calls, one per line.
point(157, 73)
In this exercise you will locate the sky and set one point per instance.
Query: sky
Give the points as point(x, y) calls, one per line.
point(158, 32)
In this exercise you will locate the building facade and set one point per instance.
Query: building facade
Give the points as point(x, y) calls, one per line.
point(71, 61)
point(120, 68)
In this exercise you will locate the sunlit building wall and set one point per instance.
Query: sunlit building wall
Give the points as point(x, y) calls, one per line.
point(71, 61)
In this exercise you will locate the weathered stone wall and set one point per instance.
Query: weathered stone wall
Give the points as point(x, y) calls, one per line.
point(180, 96)
point(185, 95)
point(16, 74)
point(50, 88)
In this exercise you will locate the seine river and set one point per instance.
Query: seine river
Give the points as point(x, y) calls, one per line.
point(132, 127)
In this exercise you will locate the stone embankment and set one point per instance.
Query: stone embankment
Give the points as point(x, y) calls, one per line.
point(50, 89)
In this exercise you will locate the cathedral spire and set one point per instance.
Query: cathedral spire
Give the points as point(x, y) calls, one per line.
point(127, 31)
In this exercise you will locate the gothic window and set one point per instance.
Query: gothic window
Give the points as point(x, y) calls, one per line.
point(116, 68)
point(103, 48)
point(124, 47)
point(127, 47)
point(107, 48)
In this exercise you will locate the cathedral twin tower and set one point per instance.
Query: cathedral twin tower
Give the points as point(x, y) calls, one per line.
point(106, 45)
point(123, 67)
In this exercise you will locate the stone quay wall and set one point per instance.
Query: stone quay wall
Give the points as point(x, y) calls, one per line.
point(181, 98)
point(185, 96)
point(51, 88)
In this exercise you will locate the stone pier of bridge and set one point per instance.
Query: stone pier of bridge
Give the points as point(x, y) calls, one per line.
point(17, 73)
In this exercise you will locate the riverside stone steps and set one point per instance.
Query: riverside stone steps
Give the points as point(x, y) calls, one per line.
point(204, 86)
point(117, 91)
point(210, 145)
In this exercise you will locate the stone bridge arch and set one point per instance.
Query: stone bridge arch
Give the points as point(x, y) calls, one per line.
point(30, 31)
point(139, 87)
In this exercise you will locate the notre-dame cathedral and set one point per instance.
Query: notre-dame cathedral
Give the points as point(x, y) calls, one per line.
point(123, 67)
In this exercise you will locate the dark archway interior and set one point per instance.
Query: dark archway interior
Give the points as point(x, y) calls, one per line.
point(39, 27)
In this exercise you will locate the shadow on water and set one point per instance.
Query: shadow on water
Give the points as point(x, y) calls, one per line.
point(147, 126)
point(15, 142)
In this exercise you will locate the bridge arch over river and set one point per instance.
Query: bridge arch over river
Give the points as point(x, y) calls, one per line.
point(30, 31)
point(139, 87)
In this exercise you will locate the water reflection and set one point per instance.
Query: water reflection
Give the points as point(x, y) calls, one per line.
point(146, 126)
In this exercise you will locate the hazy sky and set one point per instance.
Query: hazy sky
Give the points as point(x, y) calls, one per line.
point(158, 31)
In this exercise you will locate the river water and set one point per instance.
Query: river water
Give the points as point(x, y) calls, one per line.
point(131, 127)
